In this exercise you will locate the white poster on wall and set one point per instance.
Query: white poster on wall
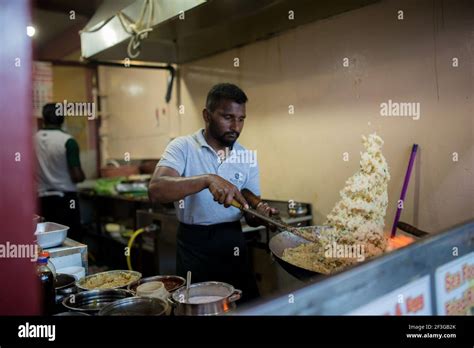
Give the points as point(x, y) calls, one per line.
point(455, 286)
point(42, 86)
point(411, 299)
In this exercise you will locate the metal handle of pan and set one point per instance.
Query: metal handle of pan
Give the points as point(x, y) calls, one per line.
point(411, 229)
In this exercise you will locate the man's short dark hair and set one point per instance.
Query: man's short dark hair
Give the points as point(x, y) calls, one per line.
point(49, 115)
point(224, 91)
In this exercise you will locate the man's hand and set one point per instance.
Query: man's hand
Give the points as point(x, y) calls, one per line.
point(265, 209)
point(224, 192)
point(260, 206)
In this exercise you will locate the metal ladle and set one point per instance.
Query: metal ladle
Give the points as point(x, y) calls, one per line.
point(188, 284)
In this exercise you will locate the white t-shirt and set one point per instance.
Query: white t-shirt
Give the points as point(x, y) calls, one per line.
point(53, 170)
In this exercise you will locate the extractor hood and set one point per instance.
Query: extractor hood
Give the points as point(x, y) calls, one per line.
point(186, 30)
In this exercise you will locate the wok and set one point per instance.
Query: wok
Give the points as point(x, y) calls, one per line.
point(283, 240)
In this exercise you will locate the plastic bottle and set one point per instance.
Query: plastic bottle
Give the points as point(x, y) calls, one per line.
point(48, 294)
point(50, 264)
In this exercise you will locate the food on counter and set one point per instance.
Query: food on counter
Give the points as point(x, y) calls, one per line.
point(357, 220)
point(109, 280)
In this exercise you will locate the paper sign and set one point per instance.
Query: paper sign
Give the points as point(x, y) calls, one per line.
point(411, 299)
point(455, 286)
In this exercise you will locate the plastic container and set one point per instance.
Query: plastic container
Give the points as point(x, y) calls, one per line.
point(50, 234)
point(50, 264)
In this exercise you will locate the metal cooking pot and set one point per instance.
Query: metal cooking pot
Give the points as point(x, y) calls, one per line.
point(185, 306)
point(64, 285)
point(93, 301)
point(136, 306)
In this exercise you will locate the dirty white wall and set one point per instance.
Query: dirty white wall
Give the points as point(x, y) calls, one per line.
point(301, 154)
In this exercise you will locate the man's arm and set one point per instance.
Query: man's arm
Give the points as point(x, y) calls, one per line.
point(168, 186)
point(73, 161)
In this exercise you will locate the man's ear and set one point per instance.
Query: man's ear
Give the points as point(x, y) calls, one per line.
point(206, 116)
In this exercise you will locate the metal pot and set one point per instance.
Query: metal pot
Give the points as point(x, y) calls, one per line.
point(64, 285)
point(221, 296)
point(297, 209)
point(136, 306)
point(93, 301)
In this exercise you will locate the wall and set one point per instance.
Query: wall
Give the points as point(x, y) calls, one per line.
point(301, 155)
point(136, 122)
point(71, 84)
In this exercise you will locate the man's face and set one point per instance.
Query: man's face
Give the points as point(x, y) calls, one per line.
point(226, 122)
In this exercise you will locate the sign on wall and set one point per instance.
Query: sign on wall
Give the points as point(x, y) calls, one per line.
point(42, 86)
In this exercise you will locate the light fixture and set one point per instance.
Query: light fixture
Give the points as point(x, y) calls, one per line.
point(30, 30)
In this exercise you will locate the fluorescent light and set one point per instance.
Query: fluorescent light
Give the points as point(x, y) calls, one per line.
point(30, 31)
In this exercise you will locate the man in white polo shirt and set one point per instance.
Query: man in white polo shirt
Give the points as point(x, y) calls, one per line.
point(59, 169)
point(199, 171)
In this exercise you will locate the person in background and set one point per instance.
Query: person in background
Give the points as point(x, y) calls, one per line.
point(199, 173)
point(59, 169)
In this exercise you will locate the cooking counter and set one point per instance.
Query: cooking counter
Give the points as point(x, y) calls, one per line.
point(414, 280)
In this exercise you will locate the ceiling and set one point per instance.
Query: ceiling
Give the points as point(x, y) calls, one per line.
point(52, 21)
point(209, 27)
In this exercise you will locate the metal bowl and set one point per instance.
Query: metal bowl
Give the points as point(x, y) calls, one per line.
point(135, 275)
point(297, 209)
point(136, 306)
point(171, 282)
point(93, 301)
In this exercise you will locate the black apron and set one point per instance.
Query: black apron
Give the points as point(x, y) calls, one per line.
point(216, 253)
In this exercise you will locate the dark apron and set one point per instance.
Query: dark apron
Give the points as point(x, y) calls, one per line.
point(216, 253)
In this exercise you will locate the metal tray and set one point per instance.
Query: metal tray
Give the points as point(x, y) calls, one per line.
point(81, 282)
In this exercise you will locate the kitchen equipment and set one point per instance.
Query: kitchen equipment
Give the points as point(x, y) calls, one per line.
point(171, 282)
point(284, 240)
point(296, 209)
point(153, 289)
point(104, 278)
point(136, 306)
point(188, 284)
point(414, 149)
point(93, 301)
point(72, 314)
point(64, 285)
point(50, 234)
point(277, 223)
point(210, 298)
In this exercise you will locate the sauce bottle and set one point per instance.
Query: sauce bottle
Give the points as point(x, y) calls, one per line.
point(46, 277)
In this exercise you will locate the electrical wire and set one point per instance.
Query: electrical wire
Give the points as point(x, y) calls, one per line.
point(130, 244)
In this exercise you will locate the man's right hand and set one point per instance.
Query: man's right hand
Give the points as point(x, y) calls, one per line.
point(224, 192)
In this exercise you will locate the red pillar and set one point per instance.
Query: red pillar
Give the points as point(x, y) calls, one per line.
point(19, 289)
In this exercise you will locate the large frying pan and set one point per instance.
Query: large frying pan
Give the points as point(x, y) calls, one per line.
point(285, 239)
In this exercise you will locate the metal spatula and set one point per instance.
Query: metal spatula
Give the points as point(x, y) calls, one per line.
point(278, 224)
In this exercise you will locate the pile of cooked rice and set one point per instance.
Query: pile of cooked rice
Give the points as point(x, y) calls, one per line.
point(357, 219)
point(109, 280)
